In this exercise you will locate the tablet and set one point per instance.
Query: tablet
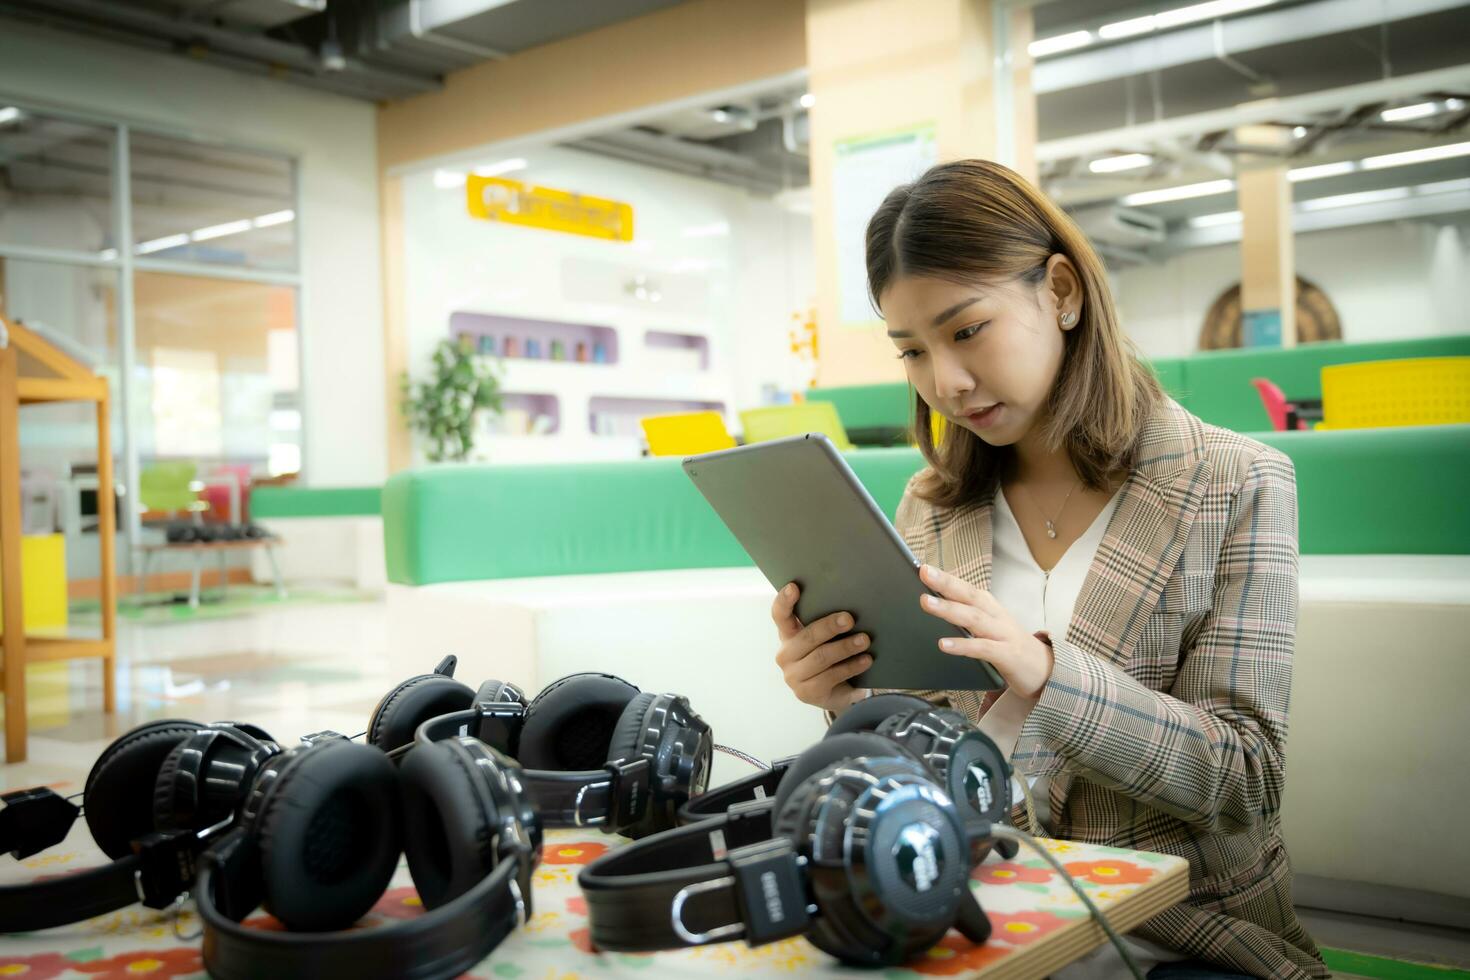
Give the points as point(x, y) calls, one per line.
point(803, 516)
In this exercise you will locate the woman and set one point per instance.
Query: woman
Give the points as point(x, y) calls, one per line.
point(1130, 571)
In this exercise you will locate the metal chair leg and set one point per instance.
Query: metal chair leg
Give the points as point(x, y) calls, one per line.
point(270, 552)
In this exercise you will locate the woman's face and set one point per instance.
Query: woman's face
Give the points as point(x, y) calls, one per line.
point(985, 356)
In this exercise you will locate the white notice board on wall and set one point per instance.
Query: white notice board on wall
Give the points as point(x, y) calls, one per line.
point(864, 170)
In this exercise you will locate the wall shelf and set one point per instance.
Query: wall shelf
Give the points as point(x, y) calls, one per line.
point(619, 416)
point(520, 338)
point(676, 351)
point(521, 412)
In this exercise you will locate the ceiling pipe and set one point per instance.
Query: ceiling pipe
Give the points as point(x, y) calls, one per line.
point(264, 50)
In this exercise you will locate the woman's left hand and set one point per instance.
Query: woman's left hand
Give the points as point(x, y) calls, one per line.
point(1022, 660)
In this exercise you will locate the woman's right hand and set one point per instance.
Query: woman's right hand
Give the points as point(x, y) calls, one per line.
point(817, 660)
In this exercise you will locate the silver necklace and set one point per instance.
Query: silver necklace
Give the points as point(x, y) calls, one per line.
point(1051, 525)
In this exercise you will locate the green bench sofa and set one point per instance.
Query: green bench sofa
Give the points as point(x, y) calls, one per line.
point(1215, 385)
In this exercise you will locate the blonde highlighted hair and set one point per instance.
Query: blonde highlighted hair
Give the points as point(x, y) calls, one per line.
point(977, 221)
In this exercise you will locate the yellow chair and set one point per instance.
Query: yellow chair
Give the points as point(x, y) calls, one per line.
point(780, 421)
point(1412, 391)
point(686, 434)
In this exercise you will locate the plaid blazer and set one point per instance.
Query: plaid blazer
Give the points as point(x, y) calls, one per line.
point(1163, 727)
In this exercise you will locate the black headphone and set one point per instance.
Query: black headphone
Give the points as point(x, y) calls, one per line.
point(597, 751)
point(869, 858)
point(320, 836)
point(152, 801)
point(963, 759)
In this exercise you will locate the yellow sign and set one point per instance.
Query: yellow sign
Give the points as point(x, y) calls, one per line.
point(510, 201)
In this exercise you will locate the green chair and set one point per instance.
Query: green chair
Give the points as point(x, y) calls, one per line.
point(780, 421)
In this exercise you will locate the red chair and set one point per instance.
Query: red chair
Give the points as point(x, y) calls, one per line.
point(1277, 407)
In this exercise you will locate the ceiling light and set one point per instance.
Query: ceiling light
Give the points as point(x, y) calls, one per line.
point(1417, 156)
point(503, 167)
point(1062, 42)
point(1205, 11)
point(1416, 111)
point(1442, 187)
point(9, 114)
point(1454, 105)
point(1360, 197)
point(1321, 170)
point(1297, 132)
point(1127, 28)
point(1213, 220)
point(274, 218)
point(719, 115)
point(159, 244)
point(807, 101)
point(1123, 161)
point(331, 55)
point(1177, 17)
point(220, 231)
point(108, 255)
point(1204, 189)
point(448, 180)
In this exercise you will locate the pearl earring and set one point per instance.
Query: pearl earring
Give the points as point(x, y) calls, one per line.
point(1068, 319)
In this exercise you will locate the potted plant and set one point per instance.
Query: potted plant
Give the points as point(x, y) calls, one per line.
point(442, 407)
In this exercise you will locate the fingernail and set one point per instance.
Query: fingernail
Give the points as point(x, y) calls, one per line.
point(859, 642)
point(925, 569)
point(931, 602)
point(946, 644)
point(790, 588)
point(843, 622)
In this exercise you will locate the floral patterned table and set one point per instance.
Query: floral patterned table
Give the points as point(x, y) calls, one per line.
point(1039, 924)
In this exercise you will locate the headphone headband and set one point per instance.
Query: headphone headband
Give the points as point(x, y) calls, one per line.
point(160, 870)
point(759, 788)
point(444, 942)
point(616, 795)
point(704, 894)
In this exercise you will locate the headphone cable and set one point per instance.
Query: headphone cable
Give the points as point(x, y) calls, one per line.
point(742, 756)
point(1010, 833)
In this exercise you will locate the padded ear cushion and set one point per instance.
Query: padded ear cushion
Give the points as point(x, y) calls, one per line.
point(629, 732)
point(118, 796)
point(412, 703)
point(328, 835)
point(570, 725)
point(163, 787)
point(868, 714)
point(825, 753)
point(449, 833)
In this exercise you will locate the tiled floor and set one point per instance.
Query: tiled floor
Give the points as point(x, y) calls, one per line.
point(299, 667)
point(290, 668)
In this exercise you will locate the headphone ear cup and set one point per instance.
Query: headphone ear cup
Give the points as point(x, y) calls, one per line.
point(118, 796)
point(868, 714)
point(570, 725)
point(851, 745)
point(328, 835)
point(412, 703)
point(165, 805)
point(626, 737)
point(817, 824)
point(449, 820)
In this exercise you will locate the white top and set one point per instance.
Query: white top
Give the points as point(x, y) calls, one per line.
point(1045, 600)
point(1041, 600)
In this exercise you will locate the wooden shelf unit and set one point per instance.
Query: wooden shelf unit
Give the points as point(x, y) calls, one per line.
point(33, 371)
